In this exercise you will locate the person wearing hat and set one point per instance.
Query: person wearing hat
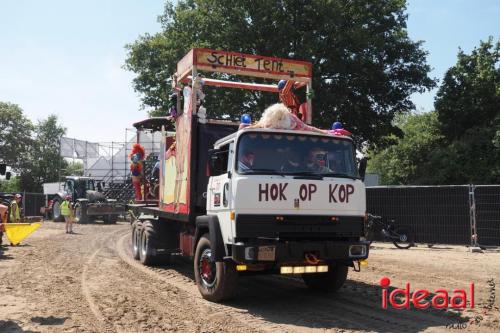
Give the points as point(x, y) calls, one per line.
point(316, 161)
point(15, 211)
point(67, 212)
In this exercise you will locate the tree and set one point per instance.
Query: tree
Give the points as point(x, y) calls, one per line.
point(45, 160)
point(74, 169)
point(10, 186)
point(468, 107)
point(407, 161)
point(365, 65)
point(15, 135)
point(459, 143)
point(470, 93)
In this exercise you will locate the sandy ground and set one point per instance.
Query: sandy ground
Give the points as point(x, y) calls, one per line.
point(88, 282)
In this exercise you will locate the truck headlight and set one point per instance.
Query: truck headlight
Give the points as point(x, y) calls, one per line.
point(357, 251)
point(249, 253)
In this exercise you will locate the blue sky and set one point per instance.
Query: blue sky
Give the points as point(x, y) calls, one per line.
point(65, 57)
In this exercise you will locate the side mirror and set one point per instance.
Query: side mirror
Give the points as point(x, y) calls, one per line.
point(3, 169)
point(212, 161)
point(215, 162)
point(362, 167)
point(7, 175)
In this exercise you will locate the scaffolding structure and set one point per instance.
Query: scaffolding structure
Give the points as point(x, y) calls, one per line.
point(108, 162)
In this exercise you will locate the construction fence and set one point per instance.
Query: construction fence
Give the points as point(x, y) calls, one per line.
point(31, 202)
point(437, 214)
point(462, 215)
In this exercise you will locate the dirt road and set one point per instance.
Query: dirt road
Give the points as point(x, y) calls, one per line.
point(88, 282)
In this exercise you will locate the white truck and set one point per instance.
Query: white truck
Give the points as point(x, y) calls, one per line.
point(251, 201)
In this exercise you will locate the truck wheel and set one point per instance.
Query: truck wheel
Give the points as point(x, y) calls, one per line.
point(150, 241)
point(136, 239)
point(110, 219)
point(56, 211)
point(80, 214)
point(216, 281)
point(330, 281)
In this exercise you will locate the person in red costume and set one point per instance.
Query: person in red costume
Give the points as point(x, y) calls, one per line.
point(288, 97)
point(137, 157)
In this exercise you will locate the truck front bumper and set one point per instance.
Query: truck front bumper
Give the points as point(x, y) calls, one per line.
point(298, 251)
point(105, 209)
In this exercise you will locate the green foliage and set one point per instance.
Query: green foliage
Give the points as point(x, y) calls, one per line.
point(406, 161)
point(73, 169)
point(10, 186)
point(470, 93)
point(44, 161)
point(459, 143)
point(15, 135)
point(365, 65)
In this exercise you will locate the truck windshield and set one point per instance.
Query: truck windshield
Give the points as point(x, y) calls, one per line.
point(88, 184)
point(295, 154)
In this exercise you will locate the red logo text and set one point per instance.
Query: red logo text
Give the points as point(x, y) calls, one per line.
point(440, 298)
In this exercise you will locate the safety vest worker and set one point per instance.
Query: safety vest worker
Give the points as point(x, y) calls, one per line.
point(65, 208)
point(15, 212)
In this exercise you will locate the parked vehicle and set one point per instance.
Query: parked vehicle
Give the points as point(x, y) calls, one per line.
point(401, 237)
point(89, 202)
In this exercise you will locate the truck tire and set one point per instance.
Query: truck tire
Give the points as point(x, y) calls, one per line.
point(136, 238)
point(56, 211)
point(81, 213)
point(150, 241)
point(330, 281)
point(216, 281)
point(110, 219)
point(94, 196)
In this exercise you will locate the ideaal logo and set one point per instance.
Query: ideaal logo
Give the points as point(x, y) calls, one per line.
point(420, 298)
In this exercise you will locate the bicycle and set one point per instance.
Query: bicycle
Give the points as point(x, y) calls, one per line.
point(401, 237)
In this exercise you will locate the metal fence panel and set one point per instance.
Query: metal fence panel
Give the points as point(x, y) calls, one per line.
point(32, 202)
point(487, 199)
point(437, 214)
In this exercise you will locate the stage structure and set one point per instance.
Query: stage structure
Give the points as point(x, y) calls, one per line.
point(108, 161)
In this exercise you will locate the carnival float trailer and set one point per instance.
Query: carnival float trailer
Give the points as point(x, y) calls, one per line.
point(254, 200)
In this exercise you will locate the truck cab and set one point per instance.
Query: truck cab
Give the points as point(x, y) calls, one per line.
point(77, 187)
point(288, 202)
point(303, 186)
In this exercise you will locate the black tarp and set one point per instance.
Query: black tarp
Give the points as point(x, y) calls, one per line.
point(487, 200)
point(437, 214)
point(207, 135)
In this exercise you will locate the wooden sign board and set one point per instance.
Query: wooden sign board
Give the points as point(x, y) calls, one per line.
point(244, 64)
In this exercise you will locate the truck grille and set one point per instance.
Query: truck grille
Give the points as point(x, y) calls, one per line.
point(298, 227)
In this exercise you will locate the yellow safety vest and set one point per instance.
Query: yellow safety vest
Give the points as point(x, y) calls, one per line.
point(65, 210)
point(14, 215)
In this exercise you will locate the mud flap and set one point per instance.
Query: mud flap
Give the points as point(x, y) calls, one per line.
point(211, 222)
